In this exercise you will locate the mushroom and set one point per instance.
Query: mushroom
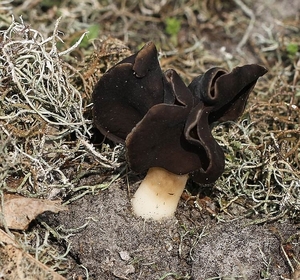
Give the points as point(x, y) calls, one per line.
point(166, 126)
point(126, 92)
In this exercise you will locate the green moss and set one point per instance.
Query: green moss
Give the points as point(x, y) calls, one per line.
point(292, 49)
point(50, 3)
point(173, 26)
point(93, 34)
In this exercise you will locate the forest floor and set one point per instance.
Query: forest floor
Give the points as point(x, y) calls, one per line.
point(245, 226)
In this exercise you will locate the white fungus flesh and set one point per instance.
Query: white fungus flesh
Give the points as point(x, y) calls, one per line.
point(158, 195)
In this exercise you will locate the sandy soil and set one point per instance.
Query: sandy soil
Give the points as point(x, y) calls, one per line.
point(193, 245)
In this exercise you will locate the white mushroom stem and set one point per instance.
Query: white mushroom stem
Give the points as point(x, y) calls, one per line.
point(158, 195)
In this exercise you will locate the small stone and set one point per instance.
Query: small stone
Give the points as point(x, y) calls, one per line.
point(124, 255)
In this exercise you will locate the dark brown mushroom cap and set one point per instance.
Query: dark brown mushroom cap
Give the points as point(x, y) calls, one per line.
point(126, 92)
point(164, 123)
point(178, 136)
point(222, 96)
point(198, 133)
point(226, 92)
point(157, 140)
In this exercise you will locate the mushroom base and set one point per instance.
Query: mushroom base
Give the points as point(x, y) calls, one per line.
point(158, 195)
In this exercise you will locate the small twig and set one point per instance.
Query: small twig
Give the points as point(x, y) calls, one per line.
point(103, 160)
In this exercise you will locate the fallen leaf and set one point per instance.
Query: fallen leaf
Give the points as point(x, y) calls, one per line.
point(17, 264)
point(19, 211)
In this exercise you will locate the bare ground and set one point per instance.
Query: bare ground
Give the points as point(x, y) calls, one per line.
point(193, 245)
